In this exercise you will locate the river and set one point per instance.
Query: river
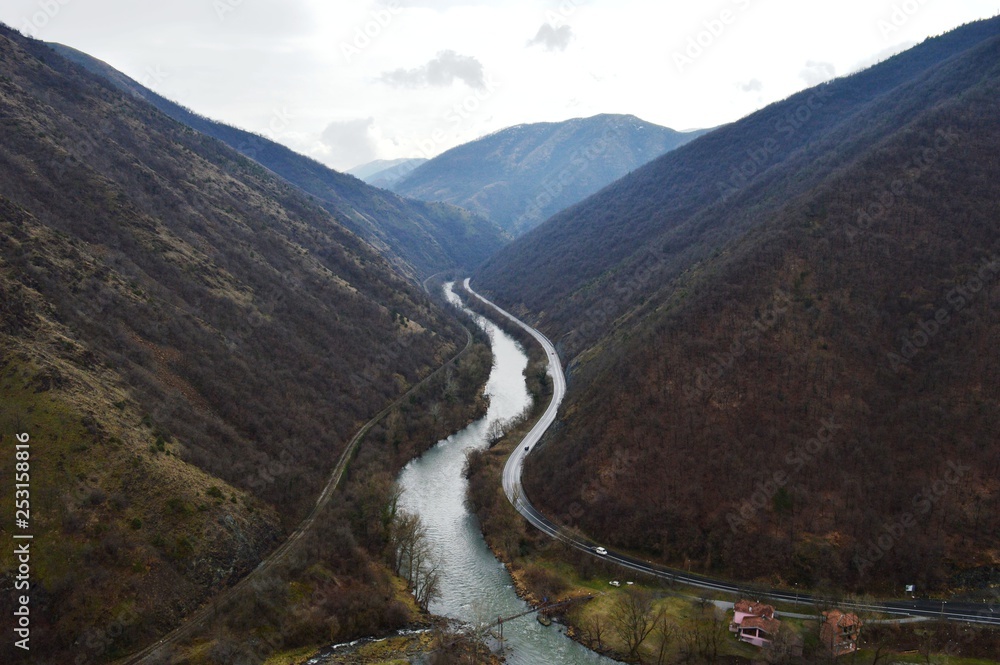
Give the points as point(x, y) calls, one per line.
point(475, 586)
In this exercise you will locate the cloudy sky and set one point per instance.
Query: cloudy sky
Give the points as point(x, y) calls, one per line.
point(349, 82)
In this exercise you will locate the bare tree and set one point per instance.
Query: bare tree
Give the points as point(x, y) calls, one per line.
point(412, 558)
point(594, 632)
point(783, 647)
point(405, 536)
point(702, 637)
point(427, 580)
point(664, 633)
point(495, 431)
point(633, 618)
point(454, 646)
point(928, 644)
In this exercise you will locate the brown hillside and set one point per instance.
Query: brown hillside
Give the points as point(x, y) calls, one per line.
point(818, 402)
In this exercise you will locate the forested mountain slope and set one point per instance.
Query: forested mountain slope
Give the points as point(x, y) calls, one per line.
point(188, 340)
point(589, 264)
point(520, 176)
point(793, 377)
point(419, 238)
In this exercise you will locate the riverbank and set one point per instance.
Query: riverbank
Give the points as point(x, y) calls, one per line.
point(440, 644)
point(334, 585)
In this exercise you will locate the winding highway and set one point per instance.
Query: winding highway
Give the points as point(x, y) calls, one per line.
point(968, 612)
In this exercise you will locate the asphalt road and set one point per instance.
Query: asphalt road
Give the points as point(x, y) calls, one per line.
point(982, 613)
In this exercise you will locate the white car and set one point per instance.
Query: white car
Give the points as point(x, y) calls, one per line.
point(615, 583)
point(601, 551)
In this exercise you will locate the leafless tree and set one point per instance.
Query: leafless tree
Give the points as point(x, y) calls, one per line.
point(702, 636)
point(594, 631)
point(664, 633)
point(412, 558)
point(495, 431)
point(782, 648)
point(633, 618)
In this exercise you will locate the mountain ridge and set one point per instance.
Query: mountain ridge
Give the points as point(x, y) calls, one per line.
point(189, 341)
point(418, 237)
point(818, 330)
point(520, 175)
point(384, 172)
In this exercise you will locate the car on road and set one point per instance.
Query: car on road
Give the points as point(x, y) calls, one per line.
point(601, 551)
point(527, 448)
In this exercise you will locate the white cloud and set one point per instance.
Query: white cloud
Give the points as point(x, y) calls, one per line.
point(443, 70)
point(815, 73)
point(461, 68)
point(553, 39)
point(349, 143)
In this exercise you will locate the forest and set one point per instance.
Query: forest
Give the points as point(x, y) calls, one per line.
point(192, 341)
point(814, 402)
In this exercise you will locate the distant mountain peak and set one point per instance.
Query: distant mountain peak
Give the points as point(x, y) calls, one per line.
point(520, 175)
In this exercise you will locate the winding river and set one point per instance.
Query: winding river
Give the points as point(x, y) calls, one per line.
point(475, 587)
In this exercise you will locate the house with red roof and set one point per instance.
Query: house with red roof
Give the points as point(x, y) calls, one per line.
point(840, 632)
point(754, 623)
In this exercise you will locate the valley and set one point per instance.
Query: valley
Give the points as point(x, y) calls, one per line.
point(576, 388)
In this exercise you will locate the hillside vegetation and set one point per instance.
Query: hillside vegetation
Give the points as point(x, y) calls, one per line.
point(419, 238)
point(518, 177)
point(190, 342)
point(782, 362)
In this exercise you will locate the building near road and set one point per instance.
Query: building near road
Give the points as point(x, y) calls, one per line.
point(840, 632)
point(754, 623)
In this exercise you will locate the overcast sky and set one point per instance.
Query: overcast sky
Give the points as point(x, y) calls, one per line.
point(349, 82)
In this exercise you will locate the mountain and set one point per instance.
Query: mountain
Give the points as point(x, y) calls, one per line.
point(781, 336)
point(420, 238)
point(519, 176)
point(188, 342)
point(386, 172)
